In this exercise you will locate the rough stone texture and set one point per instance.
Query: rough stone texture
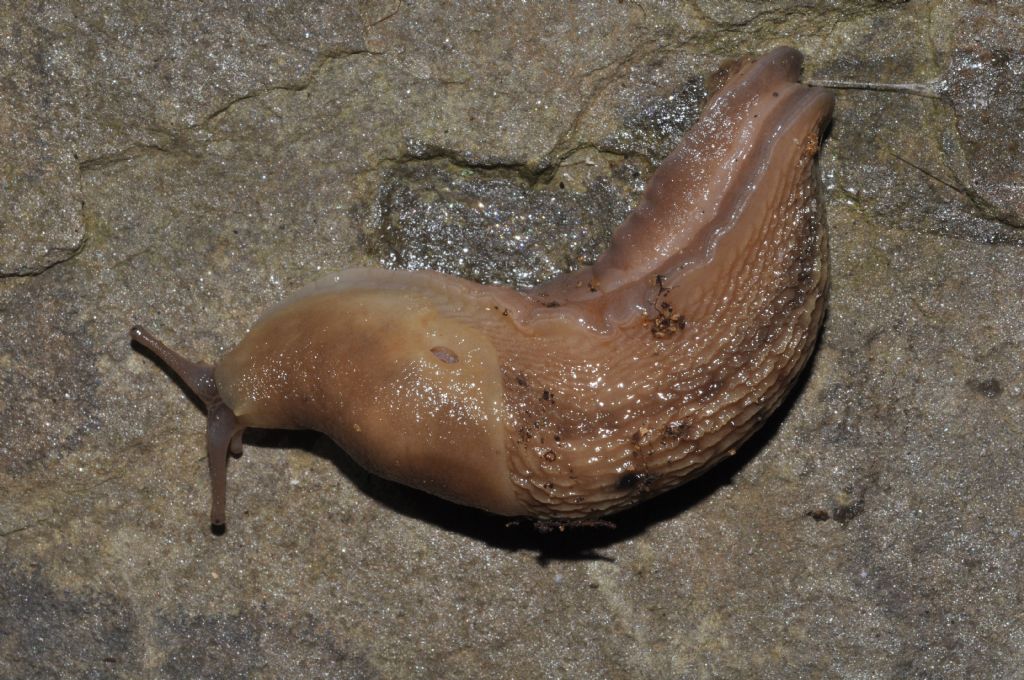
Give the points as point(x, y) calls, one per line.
point(40, 216)
point(187, 164)
point(985, 73)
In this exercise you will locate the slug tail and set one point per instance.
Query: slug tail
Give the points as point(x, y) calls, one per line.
point(223, 431)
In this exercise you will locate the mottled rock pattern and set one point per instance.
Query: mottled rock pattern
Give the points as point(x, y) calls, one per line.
point(187, 164)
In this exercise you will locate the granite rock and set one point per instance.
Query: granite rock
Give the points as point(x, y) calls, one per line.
point(187, 165)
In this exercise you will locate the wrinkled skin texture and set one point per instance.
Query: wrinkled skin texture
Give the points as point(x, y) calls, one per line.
point(599, 388)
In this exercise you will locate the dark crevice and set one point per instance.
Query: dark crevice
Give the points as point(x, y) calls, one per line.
point(179, 142)
point(129, 153)
point(606, 75)
point(534, 173)
point(389, 15)
point(62, 256)
point(976, 204)
point(311, 79)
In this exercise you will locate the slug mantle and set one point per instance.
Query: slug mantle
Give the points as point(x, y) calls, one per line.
point(592, 391)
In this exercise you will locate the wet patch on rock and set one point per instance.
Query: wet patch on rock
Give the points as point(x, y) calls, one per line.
point(488, 228)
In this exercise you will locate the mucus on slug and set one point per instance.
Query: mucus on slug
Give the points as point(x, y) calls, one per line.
point(587, 393)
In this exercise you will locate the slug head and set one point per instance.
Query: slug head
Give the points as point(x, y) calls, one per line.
point(411, 393)
point(223, 431)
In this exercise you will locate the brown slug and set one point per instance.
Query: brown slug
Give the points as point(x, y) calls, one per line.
point(588, 393)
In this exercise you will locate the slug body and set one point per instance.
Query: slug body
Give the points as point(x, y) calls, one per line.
point(595, 390)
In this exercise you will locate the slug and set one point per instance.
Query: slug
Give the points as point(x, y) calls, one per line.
point(593, 391)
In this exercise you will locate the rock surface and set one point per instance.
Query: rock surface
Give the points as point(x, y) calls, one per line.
point(188, 164)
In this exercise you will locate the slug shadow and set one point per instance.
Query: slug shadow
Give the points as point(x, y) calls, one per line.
point(572, 543)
